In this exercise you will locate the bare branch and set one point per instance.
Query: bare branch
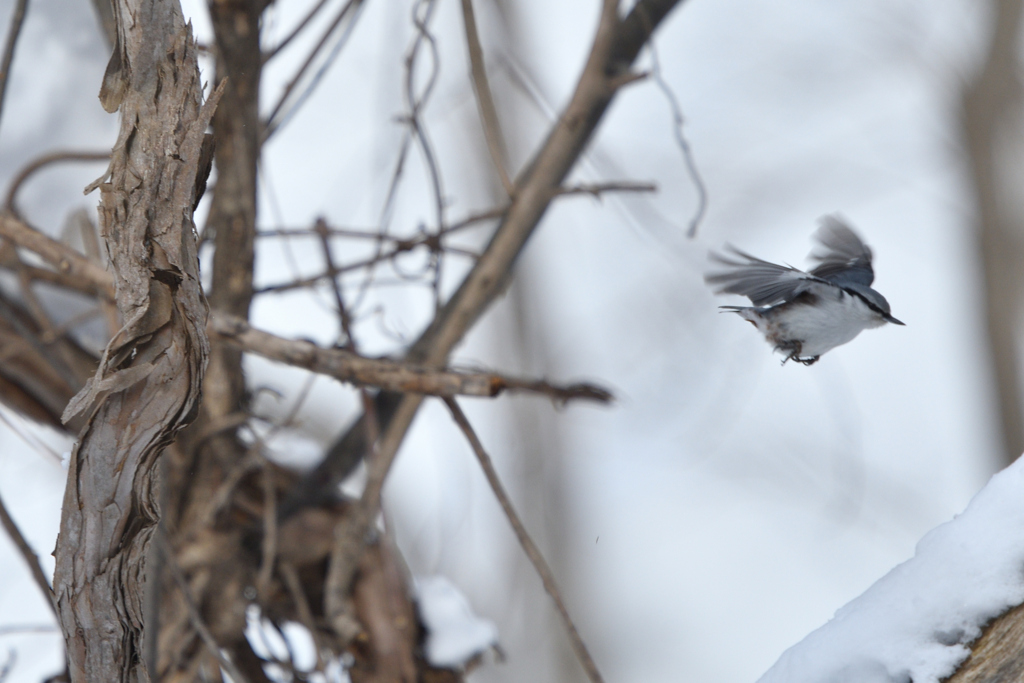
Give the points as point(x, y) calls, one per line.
point(296, 31)
point(29, 555)
point(75, 267)
point(598, 189)
point(345, 320)
point(681, 142)
point(615, 46)
point(529, 547)
point(26, 628)
point(193, 612)
point(488, 112)
point(10, 201)
point(276, 119)
point(298, 594)
point(387, 374)
point(17, 20)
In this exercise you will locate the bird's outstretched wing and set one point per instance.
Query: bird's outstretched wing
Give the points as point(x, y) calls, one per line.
point(843, 257)
point(763, 282)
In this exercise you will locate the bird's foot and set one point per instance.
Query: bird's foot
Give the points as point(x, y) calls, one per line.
point(793, 347)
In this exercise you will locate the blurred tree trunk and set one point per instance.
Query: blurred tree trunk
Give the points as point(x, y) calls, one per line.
point(993, 125)
point(993, 121)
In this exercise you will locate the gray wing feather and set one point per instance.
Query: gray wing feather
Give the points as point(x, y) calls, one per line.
point(843, 257)
point(764, 283)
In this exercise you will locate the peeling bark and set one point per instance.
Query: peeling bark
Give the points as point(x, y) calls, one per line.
point(147, 386)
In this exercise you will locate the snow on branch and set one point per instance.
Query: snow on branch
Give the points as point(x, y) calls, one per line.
point(918, 622)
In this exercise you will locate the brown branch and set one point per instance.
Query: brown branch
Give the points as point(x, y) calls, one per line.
point(105, 14)
point(42, 162)
point(993, 103)
point(17, 20)
point(616, 42)
point(387, 374)
point(273, 123)
point(294, 585)
point(598, 189)
point(484, 98)
point(529, 547)
point(80, 273)
point(344, 319)
point(27, 554)
point(232, 217)
point(194, 616)
point(296, 31)
point(76, 269)
point(615, 47)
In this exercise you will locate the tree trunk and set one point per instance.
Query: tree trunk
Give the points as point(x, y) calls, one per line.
point(147, 386)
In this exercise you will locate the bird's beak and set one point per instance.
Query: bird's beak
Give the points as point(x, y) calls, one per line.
point(894, 321)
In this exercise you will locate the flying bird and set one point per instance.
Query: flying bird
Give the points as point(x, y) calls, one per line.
point(806, 314)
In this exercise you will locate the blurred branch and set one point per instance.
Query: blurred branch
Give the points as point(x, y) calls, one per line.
point(529, 547)
point(105, 13)
point(993, 114)
point(25, 173)
point(598, 189)
point(13, 31)
point(233, 206)
point(484, 98)
point(276, 119)
point(616, 45)
point(74, 269)
point(193, 611)
point(27, 628)
point(681, 142)
point(27, 554)
point(267, 56)
point(389, 375)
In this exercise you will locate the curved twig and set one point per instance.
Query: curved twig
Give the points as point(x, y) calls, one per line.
point(37, 164)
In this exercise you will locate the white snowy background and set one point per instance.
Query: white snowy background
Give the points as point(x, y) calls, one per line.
point(724, 506)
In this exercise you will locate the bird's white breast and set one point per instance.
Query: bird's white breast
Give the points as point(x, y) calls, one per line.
point(834, 319)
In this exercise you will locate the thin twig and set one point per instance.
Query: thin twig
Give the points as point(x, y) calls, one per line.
point(681, 141)
point(400, 245)
point(193, 611)
point(529, 547)
point(274, 121)
point(16, 629)
point(294, 586)
point(17, 20)
point(65, 259)
point(422, 12)
point(35, 165)
point(29, 555)
point(269, 546)
point(597, 189)
point(267, 56)
point(616, 45)
point(484, 98)
point(344, 319)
